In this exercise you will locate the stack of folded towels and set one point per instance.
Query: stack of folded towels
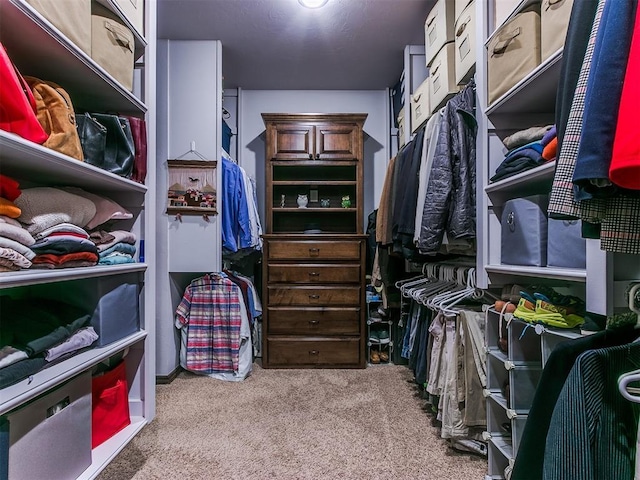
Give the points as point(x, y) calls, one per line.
point(15, 240)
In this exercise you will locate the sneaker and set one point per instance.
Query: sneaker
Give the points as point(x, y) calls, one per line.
point(384, 356)
point(373, 336)
point(560, 316)
point(593, 323)
point(526, 308)
point(383, 336)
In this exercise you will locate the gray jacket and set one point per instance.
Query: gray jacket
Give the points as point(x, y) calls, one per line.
point(450, 202)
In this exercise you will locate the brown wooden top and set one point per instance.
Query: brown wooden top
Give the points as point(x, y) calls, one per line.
point(314, 117)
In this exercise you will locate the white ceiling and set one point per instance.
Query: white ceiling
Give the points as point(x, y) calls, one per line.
point(279, 45)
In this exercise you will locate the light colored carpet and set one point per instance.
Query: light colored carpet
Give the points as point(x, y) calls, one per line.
point(293, 424)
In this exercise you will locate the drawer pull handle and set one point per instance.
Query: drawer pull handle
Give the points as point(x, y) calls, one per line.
point(314, 252)
point(314, 297)
point(314, 274)
point(313, 352)
point(314, 322)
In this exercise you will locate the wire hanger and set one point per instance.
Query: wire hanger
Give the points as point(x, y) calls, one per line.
point(193, 151)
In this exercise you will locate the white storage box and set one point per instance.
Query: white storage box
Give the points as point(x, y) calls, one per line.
point(116, 312)
point(466, 44)
point(460, 5)
point(438, 28)
point(501, 10)
point(554, 21)
point(513, 52)
point(420, 110)
point(401, 128)
point(442, 77)
point(112, 45)
point(134, 11)
point(55, 430)
point(71, 17)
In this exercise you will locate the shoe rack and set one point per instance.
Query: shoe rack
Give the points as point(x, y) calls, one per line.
point(379, 326)
point(513, 374)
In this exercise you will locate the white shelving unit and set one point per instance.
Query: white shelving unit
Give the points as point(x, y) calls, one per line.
point(376, 323)
point(39, 49)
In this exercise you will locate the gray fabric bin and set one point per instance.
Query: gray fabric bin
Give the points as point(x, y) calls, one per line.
point(565, 246)
point(524, 231)
point(50, 437)
point(116, 314)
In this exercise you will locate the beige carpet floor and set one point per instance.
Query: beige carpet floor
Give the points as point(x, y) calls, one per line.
point(293, 424)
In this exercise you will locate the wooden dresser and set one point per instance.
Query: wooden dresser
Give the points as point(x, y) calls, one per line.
point(314, 255)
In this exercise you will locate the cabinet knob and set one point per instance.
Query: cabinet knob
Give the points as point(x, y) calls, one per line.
point(313, 352)
point(314, 274)
point(314, 322)
point(314, 297)
point(311, 156)
point(317, 156)
point(314, 252)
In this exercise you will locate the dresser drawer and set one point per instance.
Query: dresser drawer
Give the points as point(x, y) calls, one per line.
point(314, 273)
point(314, 250)
point(313, 352)
point(313, 296)
point(314, 321)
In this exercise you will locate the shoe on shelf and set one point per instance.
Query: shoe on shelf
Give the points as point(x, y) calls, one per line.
point(374, 336)
point(526, 308)
point(375, 317)
point(384, 356)
point(382, 311)
point(374, 356)
point(593, 323)
point(564, 315)
point(383, 336)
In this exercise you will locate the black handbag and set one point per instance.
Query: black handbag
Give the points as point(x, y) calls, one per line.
point(118, 154)
point(93, 138)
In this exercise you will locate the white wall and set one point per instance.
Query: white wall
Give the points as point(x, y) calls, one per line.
point(186, 112)
point(251, 141)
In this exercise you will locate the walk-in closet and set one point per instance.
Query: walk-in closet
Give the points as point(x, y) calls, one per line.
point(318, 239)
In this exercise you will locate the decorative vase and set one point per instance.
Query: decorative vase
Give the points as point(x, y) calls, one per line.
point(325, 202)
point(282, 201)
point(346, 201)
point(302, 201)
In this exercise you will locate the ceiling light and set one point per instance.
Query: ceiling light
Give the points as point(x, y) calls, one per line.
point(312, 3)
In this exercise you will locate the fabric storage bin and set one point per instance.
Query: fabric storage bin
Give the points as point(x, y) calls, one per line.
point(420, 110)
point(460, 5)
point(502, 9)
point(71, 17)
point(110, 404)
point(134, 11)
point(55, 429)
point(565, 245)
point(524, 231)
point(554, 21)
point(465, 42)
point(401, 127)
point(513, 52)
point(442, 77)
point(438, 28)
point(116, 313)
point(112, 44)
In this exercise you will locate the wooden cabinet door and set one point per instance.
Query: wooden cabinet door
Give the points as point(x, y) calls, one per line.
point(336, 142)
point(291, 141)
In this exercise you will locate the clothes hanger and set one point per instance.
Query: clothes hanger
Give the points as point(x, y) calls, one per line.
point(623, 385)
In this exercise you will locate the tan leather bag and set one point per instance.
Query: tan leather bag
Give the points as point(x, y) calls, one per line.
point(57, 117)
